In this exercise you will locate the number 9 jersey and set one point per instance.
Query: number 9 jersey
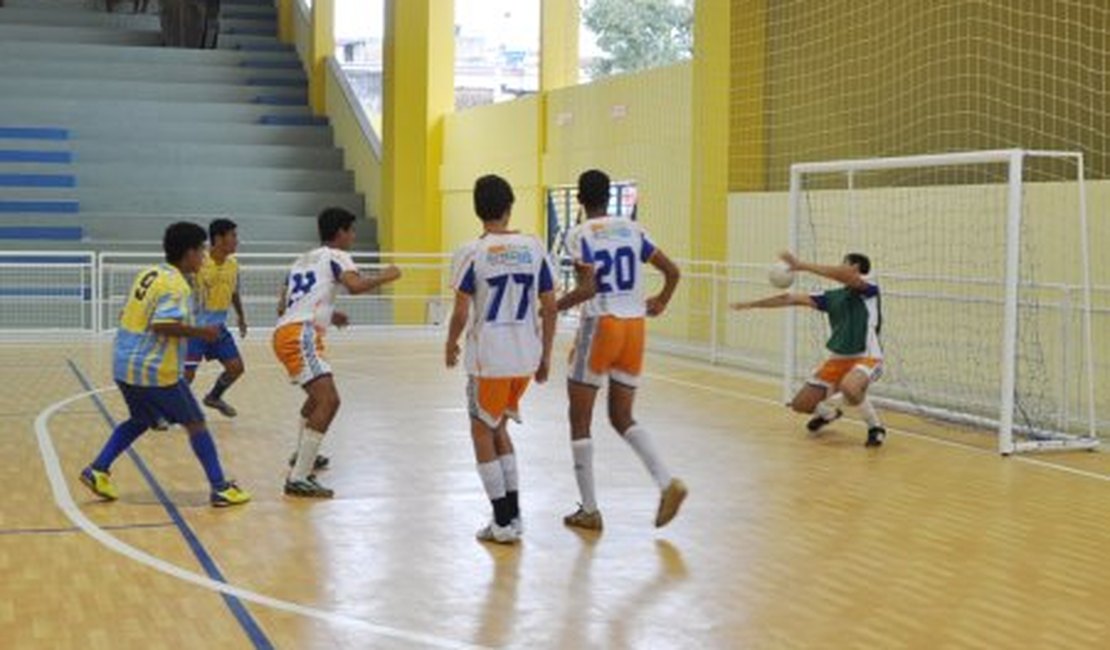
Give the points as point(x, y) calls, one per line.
point(504, 275)
point(617, 248)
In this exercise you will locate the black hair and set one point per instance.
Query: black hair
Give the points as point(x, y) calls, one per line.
point(180, 238)
point(493, 197)
point(332, 220)
point(860, 261)
point(593, 189)
point(220, 227)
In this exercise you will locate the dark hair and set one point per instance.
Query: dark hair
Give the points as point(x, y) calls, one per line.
point(220, 227)
point(180, 238)
point(593, 189)
point(860, 261)
point(332, 220)
point(493, 197)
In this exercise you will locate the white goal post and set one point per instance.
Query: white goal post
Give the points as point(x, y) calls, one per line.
point(984, 269)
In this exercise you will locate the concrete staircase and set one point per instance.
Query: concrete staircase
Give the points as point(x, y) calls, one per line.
point(105, 136)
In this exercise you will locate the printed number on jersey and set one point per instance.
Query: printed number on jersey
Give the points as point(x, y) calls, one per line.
point(300, 286)
point(616, 270)
point(510, 297)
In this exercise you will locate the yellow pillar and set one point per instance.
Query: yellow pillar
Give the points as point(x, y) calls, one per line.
point(710, 103)
point(285, 10)
point(322, 45)
point(749, 69)
point(559, 44)
point(418, 92)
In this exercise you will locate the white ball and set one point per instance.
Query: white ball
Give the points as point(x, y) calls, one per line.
point(780, 275)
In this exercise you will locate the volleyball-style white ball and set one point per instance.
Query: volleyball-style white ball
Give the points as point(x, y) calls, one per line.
point(780, 275)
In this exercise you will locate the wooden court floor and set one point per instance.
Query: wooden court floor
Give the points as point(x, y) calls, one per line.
point(786, 541)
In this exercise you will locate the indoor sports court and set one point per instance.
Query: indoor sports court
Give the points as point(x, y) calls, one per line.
point(960, 146)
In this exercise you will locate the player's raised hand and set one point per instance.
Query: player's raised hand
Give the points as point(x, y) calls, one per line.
point(340, 319)
point(790, 260)
point(451, 355)
point(390, 274)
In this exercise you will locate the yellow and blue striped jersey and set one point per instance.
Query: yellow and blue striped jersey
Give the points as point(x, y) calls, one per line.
point(215, 284)
point(160, 294)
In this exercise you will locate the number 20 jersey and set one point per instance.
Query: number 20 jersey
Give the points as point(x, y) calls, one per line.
point(617, 248)
point(311, 286)
point(504, 274)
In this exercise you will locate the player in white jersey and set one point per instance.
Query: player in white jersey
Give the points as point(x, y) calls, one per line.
point(609, 254)
point(306, 308)
point(505, 300)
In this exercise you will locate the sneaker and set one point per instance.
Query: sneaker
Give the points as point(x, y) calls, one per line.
point(669, 502)
point(491, 532)
point(875, 437)
point(321, 462)
point(231, 495)
point(100, 483)
point(161, 424)
point(517, 524)
point(308, 488)
point(225, 409)
point(582, 519)
point(817, 422)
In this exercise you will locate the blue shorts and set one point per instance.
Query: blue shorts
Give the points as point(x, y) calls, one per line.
point(222, 349)
point(175, 404)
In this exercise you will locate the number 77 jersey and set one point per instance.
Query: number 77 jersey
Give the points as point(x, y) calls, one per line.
point(504, 275)
point(617, 248)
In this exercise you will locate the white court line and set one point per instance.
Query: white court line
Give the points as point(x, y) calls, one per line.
point(903, 432)
point(68, 506)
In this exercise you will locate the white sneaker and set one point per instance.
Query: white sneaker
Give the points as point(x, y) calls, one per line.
point(517, 524)
point(491, 532)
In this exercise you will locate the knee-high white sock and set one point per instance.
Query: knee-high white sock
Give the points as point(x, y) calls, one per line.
point(508, 469)
point(869, 415)
point(642, 445)
point(583, 450)
point(826, 410)
point(306, 453)
point(493, 479)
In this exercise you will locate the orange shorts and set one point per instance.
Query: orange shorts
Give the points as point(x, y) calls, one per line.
point(300, 348)
point(492, 399)
point(834, 370)
point(608, 347)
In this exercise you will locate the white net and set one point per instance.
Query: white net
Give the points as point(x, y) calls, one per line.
point(937, 239)
point(46, 291)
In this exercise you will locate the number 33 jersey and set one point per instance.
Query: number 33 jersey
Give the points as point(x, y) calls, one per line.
point(311, 286)
point(617, 248)
point(504, 275)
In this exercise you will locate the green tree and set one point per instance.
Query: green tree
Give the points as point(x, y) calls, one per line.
point(639, 34)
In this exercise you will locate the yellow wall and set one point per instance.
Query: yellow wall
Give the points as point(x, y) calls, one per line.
point(358, 156)
point(302, 33)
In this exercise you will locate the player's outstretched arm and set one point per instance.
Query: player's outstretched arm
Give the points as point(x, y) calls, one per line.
point(843, 273)
point(357, 283)
point(781, 300)
point(658, 303)
point(549, 313)
point(459, 316)
point(585, 287)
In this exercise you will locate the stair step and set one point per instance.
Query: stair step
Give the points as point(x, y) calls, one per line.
point(147, 90)
point(37, 180)
point(30, 112)
point(33, 133)
point(232, 155)
point(40, 33)
point(122, 175)
point(155, 200)
point(37, 233)
point(118, 128)
point(61, 70)
point(96, 19)
point(158, 55)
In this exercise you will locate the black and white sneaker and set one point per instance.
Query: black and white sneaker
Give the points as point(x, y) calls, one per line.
point(875, 437)
point(816, 423)
point(308, 488)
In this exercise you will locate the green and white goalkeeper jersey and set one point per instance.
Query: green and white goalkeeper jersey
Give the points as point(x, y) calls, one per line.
point(855, 317)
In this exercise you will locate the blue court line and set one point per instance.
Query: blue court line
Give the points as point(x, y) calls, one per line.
point(32, 133)
point(54, 233)
point(75, 529)
point(41, 207)
point(242, 614)
point(38, 180)
point(22, 156)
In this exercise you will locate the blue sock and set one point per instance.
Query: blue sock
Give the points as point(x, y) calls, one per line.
point(205, 449)
point(122, 437)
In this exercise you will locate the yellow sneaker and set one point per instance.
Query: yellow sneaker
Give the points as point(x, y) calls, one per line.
point(100, 483)
point(669, 502)
point(582, 519)
point(231, 495)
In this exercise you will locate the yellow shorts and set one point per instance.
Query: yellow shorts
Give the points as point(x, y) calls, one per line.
point(300, 348)
point(492, 399)
point(608, 347)
point(833, 371)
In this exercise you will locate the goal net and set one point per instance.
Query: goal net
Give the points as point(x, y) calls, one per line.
point(985, 292)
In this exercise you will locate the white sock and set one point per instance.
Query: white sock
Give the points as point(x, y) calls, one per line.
point(641, 444)
point(306, 453)
point(493, 479)
point(508, 469)
point(583, 450)
point(869, 415)
point(826, 410)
